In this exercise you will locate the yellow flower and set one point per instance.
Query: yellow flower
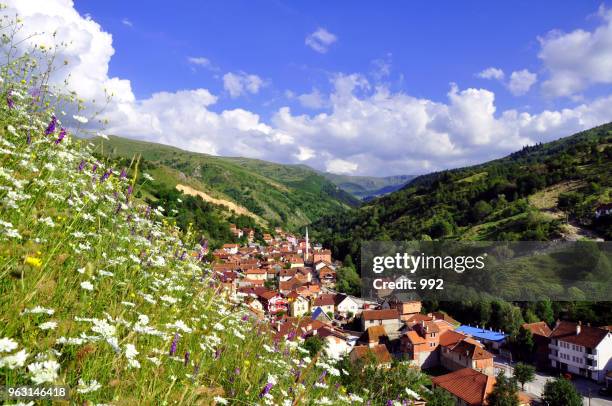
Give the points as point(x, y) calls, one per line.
point(247, 362)
point(33, 261)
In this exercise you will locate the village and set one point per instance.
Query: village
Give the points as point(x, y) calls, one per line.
point(290, 283)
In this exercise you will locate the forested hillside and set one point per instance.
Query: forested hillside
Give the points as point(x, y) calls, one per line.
point(547, 191)
point(290, 196)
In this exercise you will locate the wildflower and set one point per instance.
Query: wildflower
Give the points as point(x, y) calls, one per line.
point(81, 165)
point(9, 100)
point(61, 136)
point(186, 358)
point(220, 401)
point(45, 371)
point(16, 360)
point(174, 344)
point(80, 119)
point(39, 310)
point(84, 387)
point(87, 285)
point(130, 351)
point(101, 135)
point(49, 325)
point(266, 390)
point(123, 174)
point(7, 344)
point(51, 127)
point(33, 262)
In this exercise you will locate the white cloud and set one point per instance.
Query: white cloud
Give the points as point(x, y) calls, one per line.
point(313, 100)
point(341, 166)
point(199, 61)
point(127, 22)
point(320, 40)
point(240, 83)
point(491, 73)
point(578, 59)
point(365, 129)
point(521, 81)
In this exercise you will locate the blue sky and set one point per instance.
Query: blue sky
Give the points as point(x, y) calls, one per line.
point(364, 88)
point(427, 44)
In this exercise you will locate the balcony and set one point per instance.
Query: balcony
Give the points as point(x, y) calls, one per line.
point(591, 356)
point(552, 346)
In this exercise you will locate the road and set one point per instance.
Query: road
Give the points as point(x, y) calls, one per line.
point(584, 386)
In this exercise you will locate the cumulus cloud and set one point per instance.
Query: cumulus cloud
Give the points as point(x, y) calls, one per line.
point(313, 100)
point(320, 40)
point(578, 59)
point(491, 73)
point(240, 83)
point(365, 129)
point(521, 81)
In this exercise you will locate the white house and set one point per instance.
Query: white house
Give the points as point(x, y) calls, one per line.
point(581, 350)
point(299, 306)
point(347, 304)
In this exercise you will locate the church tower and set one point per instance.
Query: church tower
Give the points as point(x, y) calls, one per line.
point(307, 246)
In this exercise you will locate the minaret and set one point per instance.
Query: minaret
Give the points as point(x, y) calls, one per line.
point(307, 246)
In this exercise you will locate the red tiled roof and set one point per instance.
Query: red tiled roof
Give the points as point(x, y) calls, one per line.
point(415, 338)
point(450, 337)
point(373, 334)
point(385, 314)
point(467, 384)
point(539, 328)
point(589, 337)
point(471, 350)
point(380, 352)
point(324, 300)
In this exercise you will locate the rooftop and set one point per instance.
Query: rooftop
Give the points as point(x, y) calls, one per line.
point(481, 333)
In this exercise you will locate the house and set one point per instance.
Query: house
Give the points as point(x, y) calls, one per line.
point(325, 302)
point(236, 231)
point(327, 276)
point(230, 248)
point(491, 339)
point(320, 315)
point(388, 317)
point(603, 210)
point(321, 255)
point(337, 343)
point(374, 336)
point(268, 239)
point(467, 353)
point(379, 354)
point(286, 274)
point(320, 264)
point(272, 302)
point(420, 344)
point(540, 333)
point(346, 305)
point(467, 386)
point(256, 274)
point(581, 350)
point(406, 309)
point(295, 261)
point(298, 305)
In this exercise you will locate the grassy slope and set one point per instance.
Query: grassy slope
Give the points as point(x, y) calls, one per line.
point(449, 197)
point(95, 288)
point(288, 195)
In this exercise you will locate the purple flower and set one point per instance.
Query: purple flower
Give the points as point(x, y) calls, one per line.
point(265, 390)
point(237, 371)
point(123, 174)
point(51, 127)
point(94, 167)
point(106, 175)
point(322, 376)
point(9, 100)
point(389, 402)
point(186, 358)
point(174, 344)
point(61, 136)
point(218, 353)
point(81, 165)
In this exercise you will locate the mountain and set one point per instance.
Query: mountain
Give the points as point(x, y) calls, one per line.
point(271, 194)
point(546, 191)
point(368, 187)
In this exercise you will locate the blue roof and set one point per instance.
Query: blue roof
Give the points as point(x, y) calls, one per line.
point(481, 333)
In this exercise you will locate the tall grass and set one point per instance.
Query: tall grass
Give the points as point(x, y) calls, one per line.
point(103, 293)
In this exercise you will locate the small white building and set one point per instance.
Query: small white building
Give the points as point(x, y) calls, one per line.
point(347, 305)
point(581, 350)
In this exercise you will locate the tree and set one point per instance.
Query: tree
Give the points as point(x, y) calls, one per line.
point(545, 311)
point(524, 343)
point(440, 397)
point(313, 344)
point(524, 373)
point(504, 393)
point(481, 210)
point(561, 392)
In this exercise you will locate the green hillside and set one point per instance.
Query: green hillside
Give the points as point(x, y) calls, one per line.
point(368, 187)
point(528, 195)
point(287, 195)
